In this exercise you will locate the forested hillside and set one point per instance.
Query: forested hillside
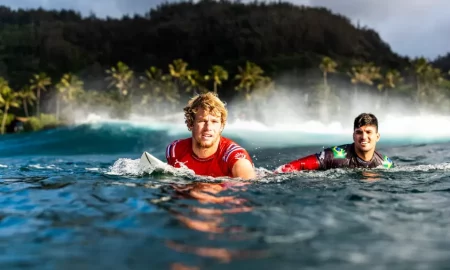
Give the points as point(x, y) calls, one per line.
point(54, 61)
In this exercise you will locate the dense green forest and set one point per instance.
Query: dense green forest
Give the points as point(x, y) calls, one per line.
point(58, 61)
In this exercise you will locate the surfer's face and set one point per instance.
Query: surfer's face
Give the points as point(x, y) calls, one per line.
point(206, 129)
point(366, 138)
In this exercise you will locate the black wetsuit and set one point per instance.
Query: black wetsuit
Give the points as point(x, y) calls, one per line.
point(344, 156)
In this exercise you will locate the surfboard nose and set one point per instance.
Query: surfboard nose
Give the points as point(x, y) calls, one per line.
point(148, 161)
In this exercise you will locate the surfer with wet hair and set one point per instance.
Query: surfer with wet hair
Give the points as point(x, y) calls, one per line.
point(207, 152)
point(360, 154)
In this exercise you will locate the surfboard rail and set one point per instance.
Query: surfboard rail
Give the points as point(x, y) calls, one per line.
point(149, 161)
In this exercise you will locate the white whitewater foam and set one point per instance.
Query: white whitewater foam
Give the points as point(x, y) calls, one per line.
point(92, 169)
point(126, 166)
point(422, 168)
point(47, 167)
point(131, 167)
point(392, 127)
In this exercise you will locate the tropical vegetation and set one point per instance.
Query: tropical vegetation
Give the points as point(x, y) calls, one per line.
point(55, 64)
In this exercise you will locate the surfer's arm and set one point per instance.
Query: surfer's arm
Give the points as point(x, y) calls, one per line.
point(171, 153)
point(310, 162)
point(239, 162)
point(244, 169)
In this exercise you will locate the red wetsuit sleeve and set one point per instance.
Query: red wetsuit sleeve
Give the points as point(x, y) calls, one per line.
point(170, 152)
point(235, 153)
point(168, 156)
point(310, 162)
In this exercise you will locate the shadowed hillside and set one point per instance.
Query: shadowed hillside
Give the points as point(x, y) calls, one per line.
point(277, 36)
point(59, 62)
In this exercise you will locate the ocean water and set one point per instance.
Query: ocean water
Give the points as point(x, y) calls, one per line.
point(75, 198)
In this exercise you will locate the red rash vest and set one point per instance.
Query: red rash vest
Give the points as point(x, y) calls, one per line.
point(179, 153)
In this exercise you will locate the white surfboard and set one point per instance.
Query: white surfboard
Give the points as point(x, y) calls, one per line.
point(149, 161)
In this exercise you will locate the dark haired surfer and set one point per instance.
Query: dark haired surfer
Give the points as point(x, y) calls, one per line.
point(360, 154)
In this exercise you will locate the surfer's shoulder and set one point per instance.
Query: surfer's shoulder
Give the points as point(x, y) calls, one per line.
point(175, 146)
point(386, 161)
point(337, 151)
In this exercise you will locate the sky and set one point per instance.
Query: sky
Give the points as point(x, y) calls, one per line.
point(411, 27)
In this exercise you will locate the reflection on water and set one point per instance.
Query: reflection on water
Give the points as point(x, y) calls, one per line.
point(371, 176)
point(180, 266)
point(209, 208)
point(70, 212)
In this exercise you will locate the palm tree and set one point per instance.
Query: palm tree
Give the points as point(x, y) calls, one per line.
point(28, 97)
point(152, 75)
point(420, 66)
point(195, 82)
point(249, 78)
point(178, 69)
point(185, 78)
point(39, 82)
point(152, 82)
point(68, 88)
point(2, 101)
point(363, 74)
point(160, 88)
point(121, 77)
point(217, 74)
point(170, 93)
point(263, 88)
point(390, 80)
point(432, 79)
point(327, 66)
point(8, 99)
